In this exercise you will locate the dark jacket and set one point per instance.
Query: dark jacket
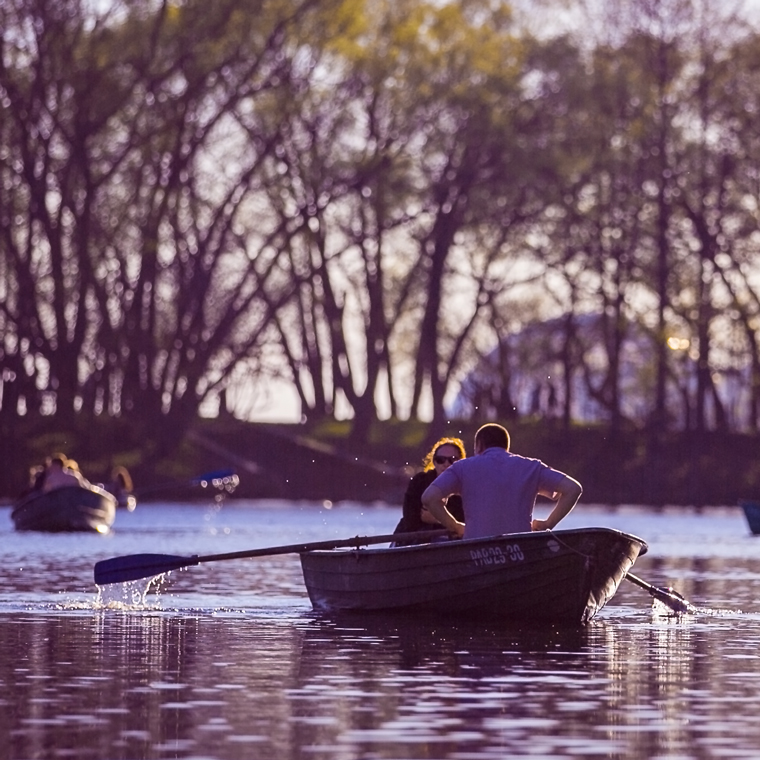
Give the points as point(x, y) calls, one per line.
point(411, 521)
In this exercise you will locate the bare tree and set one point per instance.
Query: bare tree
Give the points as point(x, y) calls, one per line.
point(141, 267)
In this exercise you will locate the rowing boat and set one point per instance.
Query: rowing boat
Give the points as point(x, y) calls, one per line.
point(564, 576)
point(752, 513)
point(67, 509)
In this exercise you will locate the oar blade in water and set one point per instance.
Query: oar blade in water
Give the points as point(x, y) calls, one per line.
point(214, 475)
point(671, 598)
point(667, 596)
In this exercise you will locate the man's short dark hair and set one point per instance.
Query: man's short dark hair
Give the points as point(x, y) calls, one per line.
point(491, 435)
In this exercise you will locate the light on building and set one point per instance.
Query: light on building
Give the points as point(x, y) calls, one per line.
point(678, 344)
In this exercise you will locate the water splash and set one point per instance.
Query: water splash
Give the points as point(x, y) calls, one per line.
point(659, 609)
point(225, 484)
point(131, 596)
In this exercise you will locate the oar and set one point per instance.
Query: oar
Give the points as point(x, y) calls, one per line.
point(206, 477)
point(228, 472)
point(665, 595)
point(135, 566)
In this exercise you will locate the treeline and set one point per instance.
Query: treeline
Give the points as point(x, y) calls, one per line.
point(320, 461)
point(362, 197)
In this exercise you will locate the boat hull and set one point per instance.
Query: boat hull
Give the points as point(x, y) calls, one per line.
point(548, 577)
point(66, 509)
point(752, 513)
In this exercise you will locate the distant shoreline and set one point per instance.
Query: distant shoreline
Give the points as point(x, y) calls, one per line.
point(319, 461)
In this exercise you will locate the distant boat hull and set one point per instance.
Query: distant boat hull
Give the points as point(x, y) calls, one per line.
point(752, 513)
point(545, 577)
point(68, 509)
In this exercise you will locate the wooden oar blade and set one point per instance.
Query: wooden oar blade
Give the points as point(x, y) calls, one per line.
point(136, 566)
point(670, 598)
point(667, 596)
point(224, 477)
point(210, 477)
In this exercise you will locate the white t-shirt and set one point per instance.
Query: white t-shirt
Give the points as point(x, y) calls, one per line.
point(498, 490)
point(61, 478)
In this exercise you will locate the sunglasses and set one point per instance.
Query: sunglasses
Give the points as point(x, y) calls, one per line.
point(438, 459)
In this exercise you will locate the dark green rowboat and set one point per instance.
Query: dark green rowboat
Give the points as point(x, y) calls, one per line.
point(65, 510)
point(563, 576)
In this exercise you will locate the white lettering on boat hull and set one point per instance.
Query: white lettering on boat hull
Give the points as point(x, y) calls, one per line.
point(497, 555)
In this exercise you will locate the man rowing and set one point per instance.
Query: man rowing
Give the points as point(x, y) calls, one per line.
point(499, 489)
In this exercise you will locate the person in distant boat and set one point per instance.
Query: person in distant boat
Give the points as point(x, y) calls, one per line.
point(499, 489)
point(416, 516)
point(73, 465)
point(59, 474)
point(36, 479)
point(121, 487)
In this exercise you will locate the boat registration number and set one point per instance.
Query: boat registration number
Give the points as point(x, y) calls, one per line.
point(497, 555)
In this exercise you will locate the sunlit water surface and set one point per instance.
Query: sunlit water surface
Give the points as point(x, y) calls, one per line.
point(227, 660)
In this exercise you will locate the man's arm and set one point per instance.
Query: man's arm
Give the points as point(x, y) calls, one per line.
point(434, 500)
point(569, 491)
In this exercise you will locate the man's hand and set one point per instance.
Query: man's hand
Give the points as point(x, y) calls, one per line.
point(569, 491)
point(427, 517)
point(434, 500)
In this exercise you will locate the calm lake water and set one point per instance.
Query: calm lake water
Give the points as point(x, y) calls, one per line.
point(226, 660)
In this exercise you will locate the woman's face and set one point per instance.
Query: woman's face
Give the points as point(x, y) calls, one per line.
point(444, 457)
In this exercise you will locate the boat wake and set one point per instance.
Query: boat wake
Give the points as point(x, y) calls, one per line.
point(660, 609)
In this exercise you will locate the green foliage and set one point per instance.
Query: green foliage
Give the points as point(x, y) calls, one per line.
point(363, 198)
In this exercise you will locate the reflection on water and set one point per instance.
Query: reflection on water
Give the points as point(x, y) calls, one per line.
point(228, 661)
point(154, 685)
